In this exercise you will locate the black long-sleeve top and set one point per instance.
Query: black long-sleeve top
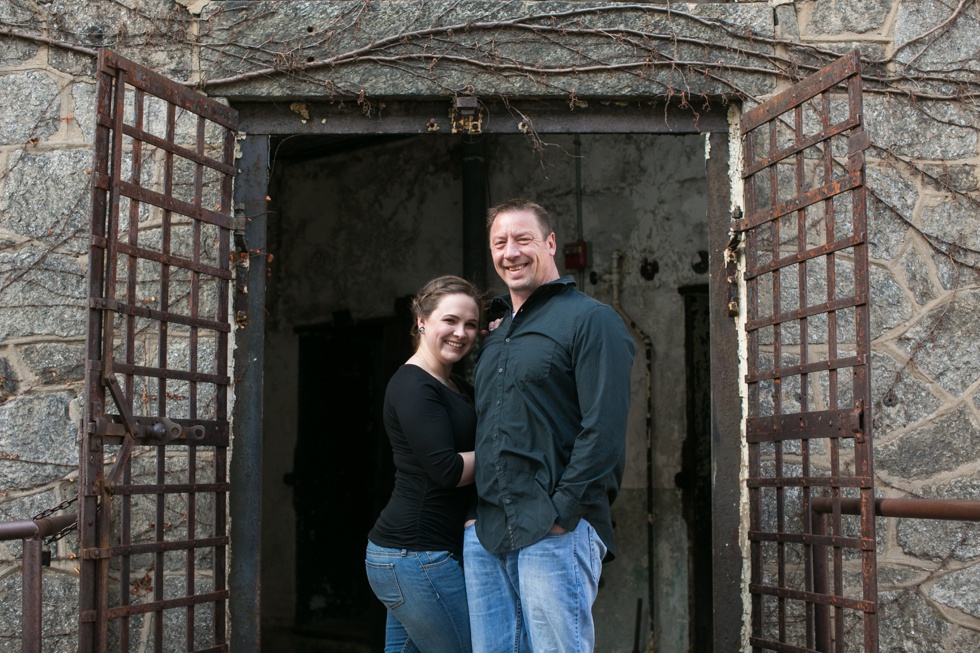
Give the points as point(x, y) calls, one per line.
point(427, 424)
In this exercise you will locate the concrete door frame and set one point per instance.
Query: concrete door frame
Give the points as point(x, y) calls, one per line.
point(260, 122)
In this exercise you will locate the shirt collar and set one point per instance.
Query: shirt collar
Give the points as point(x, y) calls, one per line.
point(502, 304)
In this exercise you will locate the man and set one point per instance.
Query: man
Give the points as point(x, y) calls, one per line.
point(552, 397)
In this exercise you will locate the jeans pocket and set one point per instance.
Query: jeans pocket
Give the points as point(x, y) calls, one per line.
point(432, 559)
point(384, 582)
point(597, 553)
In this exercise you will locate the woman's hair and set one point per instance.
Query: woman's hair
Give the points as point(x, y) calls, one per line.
point(432, 293)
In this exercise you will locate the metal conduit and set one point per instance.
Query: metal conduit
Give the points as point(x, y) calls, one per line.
point(946, 509)
point(648, 350)
point(32, 532)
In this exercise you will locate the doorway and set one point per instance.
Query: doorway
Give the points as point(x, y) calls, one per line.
point(358, 222)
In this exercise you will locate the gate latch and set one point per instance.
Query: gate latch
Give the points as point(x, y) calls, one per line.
point(466, 116)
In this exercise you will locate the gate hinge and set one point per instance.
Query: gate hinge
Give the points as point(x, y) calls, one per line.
point(731, 262)
point(96, 553)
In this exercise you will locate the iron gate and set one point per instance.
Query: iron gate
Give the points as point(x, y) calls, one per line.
point(813, 580)
point(153, 480)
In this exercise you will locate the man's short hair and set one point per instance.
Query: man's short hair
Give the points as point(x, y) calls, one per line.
point(521, 204)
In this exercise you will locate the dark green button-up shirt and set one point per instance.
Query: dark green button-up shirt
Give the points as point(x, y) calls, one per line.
point(552, 398)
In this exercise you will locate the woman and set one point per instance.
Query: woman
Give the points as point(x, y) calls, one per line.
point(414, 549)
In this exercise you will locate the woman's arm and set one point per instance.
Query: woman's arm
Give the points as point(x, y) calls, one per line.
point(469, 468)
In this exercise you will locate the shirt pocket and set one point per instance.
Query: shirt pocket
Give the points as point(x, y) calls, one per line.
point(532, 361)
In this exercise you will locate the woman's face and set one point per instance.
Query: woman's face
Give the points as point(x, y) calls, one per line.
point(451, 328)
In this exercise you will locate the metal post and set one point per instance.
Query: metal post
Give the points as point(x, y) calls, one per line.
point(31, 608)
point(474, 211)
point(245, 502)
point(821, 585)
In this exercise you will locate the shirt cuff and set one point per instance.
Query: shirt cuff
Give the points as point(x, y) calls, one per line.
point(568, 511)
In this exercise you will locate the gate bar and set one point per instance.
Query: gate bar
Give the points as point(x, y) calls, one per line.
point(33, 532)
point(954, 510)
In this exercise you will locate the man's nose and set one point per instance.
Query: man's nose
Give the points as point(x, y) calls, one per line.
point(511, 250)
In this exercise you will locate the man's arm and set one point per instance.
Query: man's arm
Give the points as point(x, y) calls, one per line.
point(603, 360)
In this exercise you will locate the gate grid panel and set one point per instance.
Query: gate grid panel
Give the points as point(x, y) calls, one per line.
point(153, 477)
point(813, 583)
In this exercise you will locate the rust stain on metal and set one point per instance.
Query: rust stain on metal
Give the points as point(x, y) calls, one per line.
point(157, 350)
point(807, 316)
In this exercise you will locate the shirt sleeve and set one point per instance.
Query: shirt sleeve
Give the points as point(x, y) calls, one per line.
point(428, 429)
point(603, 361)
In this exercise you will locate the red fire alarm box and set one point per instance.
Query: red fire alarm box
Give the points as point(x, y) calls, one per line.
point(576, 255)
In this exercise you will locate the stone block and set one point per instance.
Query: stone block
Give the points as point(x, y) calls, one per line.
point(956, 48)
point(901, 397)
point(55, 362)
point(14, 51)
point(957, 590)
point(945, 342)
point(890, 306)
point(152, 32)
point(947, 177)
point(83, 94)
point(836, 17)
point(925, 129)
point(954, 222)
point(954, 273)
point(46, 197)
point(510, 57)
point(944, 444)
point(939, 540)
point(9, 383)
point(71, 62)
point(892, 188)
point(886, 229)
point(908, 624)
point(42, 293)
point(39, 430)
point(59, 624)
point(38, 108)
point(919, 273)
point(965, 641)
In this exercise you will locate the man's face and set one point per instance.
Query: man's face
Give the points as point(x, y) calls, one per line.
point(522, 255)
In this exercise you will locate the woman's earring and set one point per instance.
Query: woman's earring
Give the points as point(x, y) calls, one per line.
point(421, 329)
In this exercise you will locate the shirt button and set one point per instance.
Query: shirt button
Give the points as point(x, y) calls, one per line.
point(506, 339)
point(508, 500)
point(500, 370)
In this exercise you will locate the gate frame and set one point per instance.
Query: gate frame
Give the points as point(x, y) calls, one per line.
point(119, 81)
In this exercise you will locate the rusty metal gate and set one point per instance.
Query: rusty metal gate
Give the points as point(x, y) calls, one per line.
point(153, 480)
point(813, 580)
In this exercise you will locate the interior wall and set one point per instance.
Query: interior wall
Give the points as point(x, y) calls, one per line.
point(355, 230)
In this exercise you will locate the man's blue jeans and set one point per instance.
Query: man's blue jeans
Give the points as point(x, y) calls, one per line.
point(537, 599)
point(426, 599)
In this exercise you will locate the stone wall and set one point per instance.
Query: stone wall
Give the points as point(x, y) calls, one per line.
point(923, 173)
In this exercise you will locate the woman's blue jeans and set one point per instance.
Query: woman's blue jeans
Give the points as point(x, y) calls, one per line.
point(425, 595)
point(538, 598)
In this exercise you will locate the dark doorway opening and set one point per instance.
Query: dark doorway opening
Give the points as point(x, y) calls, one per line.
point(694, 479)
point(343, 472)
point(355, 221)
